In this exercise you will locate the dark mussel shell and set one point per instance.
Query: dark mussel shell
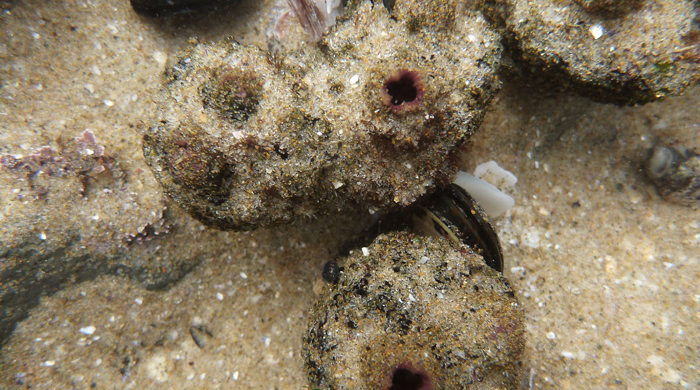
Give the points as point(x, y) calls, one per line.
point(452, 213)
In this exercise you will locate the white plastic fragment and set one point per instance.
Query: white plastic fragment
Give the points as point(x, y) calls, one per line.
point(354, 79)
point(493, 173)
point(551, 335)
point(337, 184)
point(138, 300)
point(494, 202)
point(220, 296)
point(365, 251)
point(567, 354)
point(235, 376)
point(243, 275)
point(596, 30)
point(87, 330)
point(49, 363)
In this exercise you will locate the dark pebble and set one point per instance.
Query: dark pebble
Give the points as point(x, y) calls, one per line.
point(331, 271)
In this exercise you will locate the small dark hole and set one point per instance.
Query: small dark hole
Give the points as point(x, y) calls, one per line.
point(403, 90)
point(404, 379)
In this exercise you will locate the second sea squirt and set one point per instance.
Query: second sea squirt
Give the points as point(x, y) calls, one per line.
point(412, 312)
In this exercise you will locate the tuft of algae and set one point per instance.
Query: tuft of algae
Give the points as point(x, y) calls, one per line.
point(369, 118)
point(417, 311)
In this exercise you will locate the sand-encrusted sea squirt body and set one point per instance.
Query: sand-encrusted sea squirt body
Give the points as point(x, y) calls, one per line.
point(368, 118)
point(617, 51)
point(418, 311)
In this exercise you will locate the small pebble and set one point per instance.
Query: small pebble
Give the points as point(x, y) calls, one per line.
point(551, 335)
point(331, 271)
point(87, 330)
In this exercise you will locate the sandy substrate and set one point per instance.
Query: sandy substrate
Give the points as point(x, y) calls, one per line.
point(606, 270)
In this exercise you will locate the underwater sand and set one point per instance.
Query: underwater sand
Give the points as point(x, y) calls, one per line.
point(606, 270)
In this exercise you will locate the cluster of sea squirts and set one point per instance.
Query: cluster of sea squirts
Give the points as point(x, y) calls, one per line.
point(372, 115)
point(369, 118)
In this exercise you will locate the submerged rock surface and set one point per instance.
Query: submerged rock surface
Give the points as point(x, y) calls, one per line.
point(370, 117)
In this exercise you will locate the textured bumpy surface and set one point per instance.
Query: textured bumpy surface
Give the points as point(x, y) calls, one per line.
point(369, 117)
point(419, 312)
point(613, 51)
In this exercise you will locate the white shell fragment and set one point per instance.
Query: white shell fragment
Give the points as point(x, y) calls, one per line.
point(596, 30)
point(494, 202)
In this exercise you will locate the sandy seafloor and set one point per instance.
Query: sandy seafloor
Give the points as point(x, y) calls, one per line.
point(606, 270)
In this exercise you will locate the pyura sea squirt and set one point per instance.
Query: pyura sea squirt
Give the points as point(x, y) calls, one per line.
point(368, 118)
point(412, 312)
